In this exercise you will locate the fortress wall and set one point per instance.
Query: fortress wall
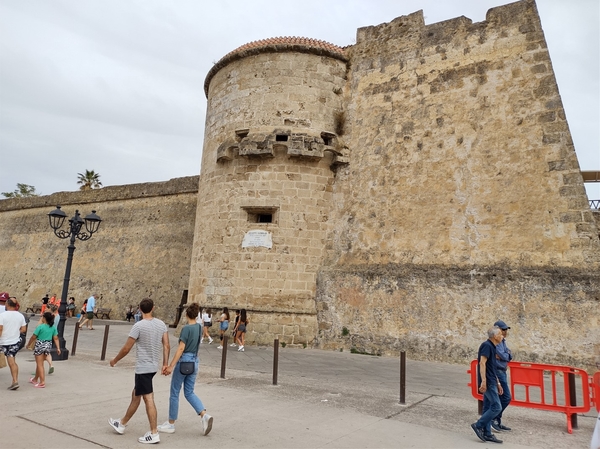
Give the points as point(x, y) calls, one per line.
point(142, 248)
point(461, 162)
point(288, 94)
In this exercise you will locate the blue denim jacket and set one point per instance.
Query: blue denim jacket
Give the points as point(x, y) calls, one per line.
point(504, 355)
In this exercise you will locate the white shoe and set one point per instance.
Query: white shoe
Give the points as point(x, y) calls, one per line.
point(210, 340)
point(219, 347)
point(207, 421)
point(202, 340)
point(149, 438)
point(116, 424)
point(241, 349)
point(233, 345)
point(167, 427)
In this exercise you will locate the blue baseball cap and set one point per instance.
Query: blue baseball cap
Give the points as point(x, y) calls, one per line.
point(501, 324)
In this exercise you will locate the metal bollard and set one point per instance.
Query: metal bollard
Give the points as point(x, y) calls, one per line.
point(402, 377)
point(224, 357)
point(105, 341)
point(572, 398)
point(275, 360)
point(75, 335)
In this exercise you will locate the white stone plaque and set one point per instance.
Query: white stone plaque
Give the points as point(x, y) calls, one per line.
point(257, 237)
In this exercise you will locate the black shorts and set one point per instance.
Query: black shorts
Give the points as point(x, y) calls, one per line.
point(143, 384)
point(207, 323)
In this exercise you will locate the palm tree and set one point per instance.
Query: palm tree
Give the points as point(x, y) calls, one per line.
point(89, 180)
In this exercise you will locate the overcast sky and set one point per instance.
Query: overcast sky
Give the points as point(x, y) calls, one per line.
point(116, 86)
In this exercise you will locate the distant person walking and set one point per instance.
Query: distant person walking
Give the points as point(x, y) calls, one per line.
point(45, 300)
point(240, 330)
point(12, 324)
point(82, 313)
point(503, 356)
point(489, 385)
point(187, 351)
point(89, 311)
point(207, 320)
point(71, 307)
point(43, 336)
point(235, 325)
point(151, 336)
point(223, 325)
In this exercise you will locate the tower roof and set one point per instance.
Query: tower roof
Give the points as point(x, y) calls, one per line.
point(274, 45)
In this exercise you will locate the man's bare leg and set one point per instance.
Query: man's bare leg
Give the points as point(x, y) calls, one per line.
point(14, 369)
point(151, 411)
point(133, 406)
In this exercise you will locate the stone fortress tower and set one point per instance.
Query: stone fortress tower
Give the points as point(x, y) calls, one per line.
point(268, 164)
point(401, 193)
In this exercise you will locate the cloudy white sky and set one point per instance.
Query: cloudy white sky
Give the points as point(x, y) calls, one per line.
point(116, 86)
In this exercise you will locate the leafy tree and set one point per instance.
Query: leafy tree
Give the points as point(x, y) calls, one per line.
point(89, 180)
point(22, 191)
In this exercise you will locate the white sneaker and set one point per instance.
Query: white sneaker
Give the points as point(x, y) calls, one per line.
point(116, 424)
point(220, 347)
point(167, 427)
point(233, 345)
point(149, 438)
point(202, 340)
point(241, 349)
point(207, 421)
point(210, 340)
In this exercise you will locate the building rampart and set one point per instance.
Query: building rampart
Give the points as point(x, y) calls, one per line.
point(142, 249)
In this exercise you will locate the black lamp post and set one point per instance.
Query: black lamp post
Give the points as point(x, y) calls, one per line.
point(92, 223)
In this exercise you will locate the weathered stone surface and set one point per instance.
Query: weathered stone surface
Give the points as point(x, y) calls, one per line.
point(143, 246)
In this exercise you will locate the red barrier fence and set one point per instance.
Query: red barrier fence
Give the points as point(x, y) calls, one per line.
point(548, 387)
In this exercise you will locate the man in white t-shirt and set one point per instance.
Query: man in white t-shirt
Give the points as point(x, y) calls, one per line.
point(150, 335)
point(12, 324)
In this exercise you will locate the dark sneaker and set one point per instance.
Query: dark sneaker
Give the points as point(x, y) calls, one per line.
point(491, 437)
point(499, 427)
point(478, 431)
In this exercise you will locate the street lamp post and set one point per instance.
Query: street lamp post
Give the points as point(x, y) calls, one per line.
point(92, 223)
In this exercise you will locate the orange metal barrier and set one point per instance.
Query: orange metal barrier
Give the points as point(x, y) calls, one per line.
point(544, 389)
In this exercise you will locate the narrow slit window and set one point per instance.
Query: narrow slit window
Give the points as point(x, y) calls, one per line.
point(264, 215)
point(281, 138)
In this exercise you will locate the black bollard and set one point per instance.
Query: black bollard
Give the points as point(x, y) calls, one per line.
point(572, 399)
point(105, 341)
point(224, 357)
point(402, 377)
point(275, 360)
point(75, 335)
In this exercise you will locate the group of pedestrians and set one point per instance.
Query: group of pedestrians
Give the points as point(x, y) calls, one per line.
point(492, 358)
point(13, 327)
point(150, 336)
point(239, 327)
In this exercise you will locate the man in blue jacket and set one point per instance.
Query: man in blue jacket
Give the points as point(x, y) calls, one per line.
point(503, 356)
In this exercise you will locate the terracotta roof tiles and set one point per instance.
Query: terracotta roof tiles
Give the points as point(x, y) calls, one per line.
point(277, 44)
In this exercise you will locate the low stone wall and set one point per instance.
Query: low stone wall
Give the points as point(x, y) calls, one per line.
point(442, 313)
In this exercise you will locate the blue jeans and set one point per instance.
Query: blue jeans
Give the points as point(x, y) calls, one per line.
point(505, 397)
point(188, 382)
point(494, 407)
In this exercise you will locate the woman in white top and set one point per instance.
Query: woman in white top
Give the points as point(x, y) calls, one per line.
point(223, 325)
point(207, 321)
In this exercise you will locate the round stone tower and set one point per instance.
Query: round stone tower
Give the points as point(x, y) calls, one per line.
point(271, 146)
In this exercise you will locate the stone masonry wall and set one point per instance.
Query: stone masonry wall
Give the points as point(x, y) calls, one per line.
point(264, 151)
point(142, 248)
point(462, 202)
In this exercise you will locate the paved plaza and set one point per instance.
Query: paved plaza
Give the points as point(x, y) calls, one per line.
point(323, 399)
